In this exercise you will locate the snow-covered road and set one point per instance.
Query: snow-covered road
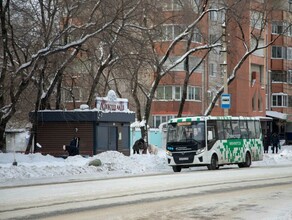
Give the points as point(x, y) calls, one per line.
point(230, 187)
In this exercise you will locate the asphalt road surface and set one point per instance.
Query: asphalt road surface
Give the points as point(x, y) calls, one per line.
point(251, 193)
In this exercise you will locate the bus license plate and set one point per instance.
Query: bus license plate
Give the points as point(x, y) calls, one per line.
point(183, 158)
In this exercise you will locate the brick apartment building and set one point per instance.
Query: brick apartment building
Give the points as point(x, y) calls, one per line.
point(262, 86)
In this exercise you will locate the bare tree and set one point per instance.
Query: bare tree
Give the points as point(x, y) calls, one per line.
point(159, 60)
point(28, 53)
point(239, 17)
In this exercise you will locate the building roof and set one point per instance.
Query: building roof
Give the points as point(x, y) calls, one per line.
point(275, 114)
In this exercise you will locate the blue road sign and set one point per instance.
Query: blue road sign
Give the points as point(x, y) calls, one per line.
point(225, 101)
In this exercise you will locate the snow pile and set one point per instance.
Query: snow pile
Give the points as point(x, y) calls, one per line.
point(283, 157)
point(135, 164)
point(113, 164)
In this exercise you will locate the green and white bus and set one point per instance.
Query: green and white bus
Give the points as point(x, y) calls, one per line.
point(213, 141)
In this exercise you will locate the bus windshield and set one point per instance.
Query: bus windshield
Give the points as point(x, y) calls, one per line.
point(187, 132)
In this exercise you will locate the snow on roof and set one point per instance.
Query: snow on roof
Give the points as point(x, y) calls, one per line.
point(275, 114)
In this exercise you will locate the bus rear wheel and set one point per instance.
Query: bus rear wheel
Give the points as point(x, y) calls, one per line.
point(214, 163)
point(176, 168)
point(247, 162)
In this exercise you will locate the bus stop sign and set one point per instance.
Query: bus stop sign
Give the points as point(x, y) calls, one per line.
point(225, 101)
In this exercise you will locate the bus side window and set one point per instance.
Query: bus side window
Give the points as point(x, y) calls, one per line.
point(244, 133)
point(227, 129)
point(243, 129)
point(251, 129)
point(257, 129)
point(220, 130)
point(235, 129)
point(212, 133)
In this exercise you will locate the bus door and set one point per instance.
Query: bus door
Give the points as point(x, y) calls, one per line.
point(252, 136)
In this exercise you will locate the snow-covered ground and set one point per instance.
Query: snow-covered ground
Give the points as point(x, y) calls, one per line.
point(114, 164)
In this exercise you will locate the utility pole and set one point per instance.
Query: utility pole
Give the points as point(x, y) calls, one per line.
point(224, 64)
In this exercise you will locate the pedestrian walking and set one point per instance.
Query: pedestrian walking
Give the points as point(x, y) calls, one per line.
point(275, 142)
point(73, 148)
point(266, 143)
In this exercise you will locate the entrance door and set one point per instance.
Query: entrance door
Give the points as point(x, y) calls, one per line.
point(106, 138)
point(113, 138)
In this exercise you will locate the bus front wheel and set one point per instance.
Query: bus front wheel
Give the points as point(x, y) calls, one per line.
point(214, 163)
point(176, 168)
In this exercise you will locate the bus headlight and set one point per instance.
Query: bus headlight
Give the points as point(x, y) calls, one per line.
point(200, 150)
point(168, 153)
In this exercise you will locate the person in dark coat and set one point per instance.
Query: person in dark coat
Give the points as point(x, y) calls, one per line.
point(275, 142)
point(266, 143)
point(140, 144)
point(73, 148)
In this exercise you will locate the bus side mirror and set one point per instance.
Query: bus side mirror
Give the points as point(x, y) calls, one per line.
point(210, 135)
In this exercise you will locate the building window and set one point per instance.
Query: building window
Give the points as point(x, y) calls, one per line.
point(167, 5)
point(170, 32)
point(158, 119)
point(212, 70)
point(213, 15)
point(176, 5)
point(289, 53)
point(279, 100)
point(197, 36)
point(164, 92)
point(259, 52)
point(289, 31)
point(194, 93)
point(289, 76)
point(278, 76)
point(278, 52)
point(260, 102)
point(267, 103)
point(256, 19)
point(278, 27)
point(289, 101)
point(193, 62)
point(177, 92)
